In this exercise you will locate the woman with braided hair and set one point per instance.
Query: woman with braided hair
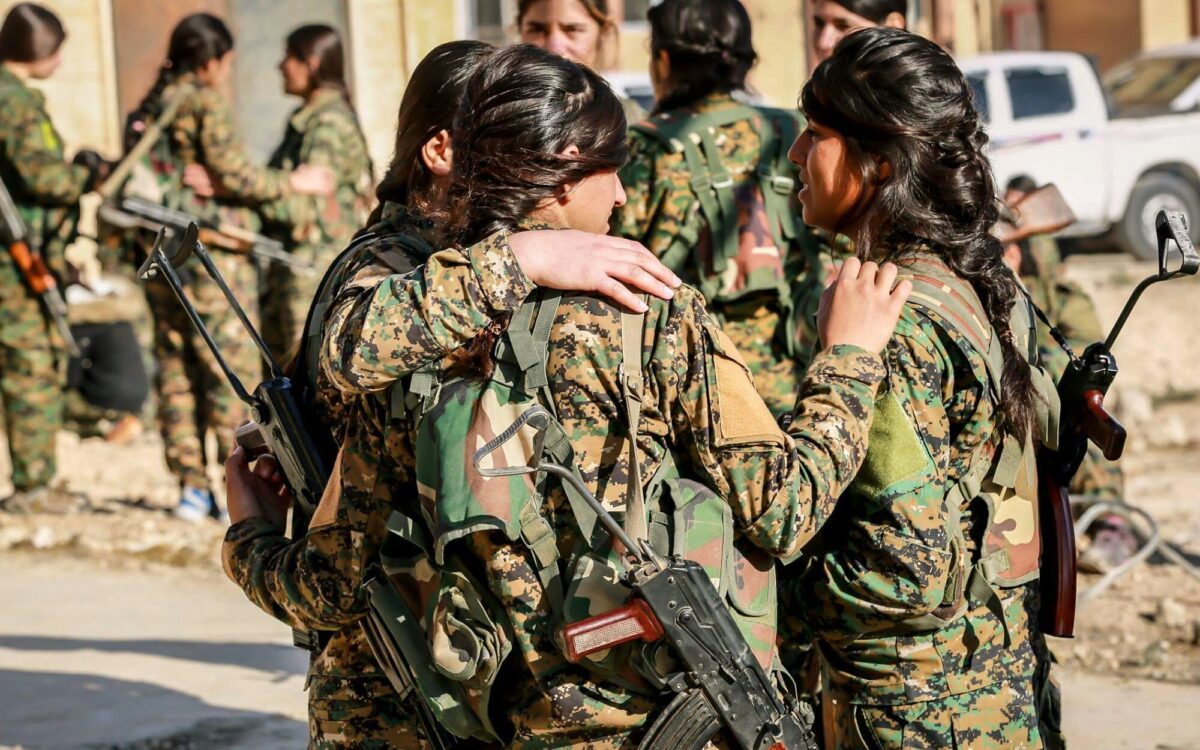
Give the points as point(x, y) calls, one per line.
point(919, 588)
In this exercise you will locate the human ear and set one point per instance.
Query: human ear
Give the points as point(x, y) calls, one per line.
point(437, 154)
point(565, 190)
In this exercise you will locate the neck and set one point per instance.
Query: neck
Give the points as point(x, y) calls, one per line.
point(20, 70)
point(313, 93)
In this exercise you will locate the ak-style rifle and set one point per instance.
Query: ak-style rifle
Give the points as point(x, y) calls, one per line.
point(283, 425)
point(33, 268)
point(1084, 419)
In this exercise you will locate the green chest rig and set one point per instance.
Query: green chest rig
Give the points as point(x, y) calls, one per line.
point(463, 623)
point(1000, 481)
point(744, 240)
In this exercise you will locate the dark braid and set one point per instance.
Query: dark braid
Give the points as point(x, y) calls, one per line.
point(899, 99)
point(195, 41)
point(709, 45)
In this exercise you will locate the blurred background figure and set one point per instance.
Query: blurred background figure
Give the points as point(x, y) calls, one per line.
point(46, 190)
point(834, 19)
point(582, 31)
point(323, 131)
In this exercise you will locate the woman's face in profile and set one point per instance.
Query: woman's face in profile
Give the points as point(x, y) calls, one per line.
point(831, 21)
point(831, 177)
point(590, 204)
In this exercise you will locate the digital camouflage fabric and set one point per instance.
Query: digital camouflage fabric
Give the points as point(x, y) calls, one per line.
point(46, 190)
point(193, 395)
point(664, 212)
point(888, 558)
point(826, 254)
point(699, 406)
point(315, 583)
point(322, 132)
point(1069, 308)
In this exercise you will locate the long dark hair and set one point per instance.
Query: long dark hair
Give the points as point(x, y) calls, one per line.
point(519, 113)
point(427, 108)
point(30, 33)
point(709, 45)
point(324, 44)
point(196, 40)
point(901, 99)
point(517, 116)
point(875, 11)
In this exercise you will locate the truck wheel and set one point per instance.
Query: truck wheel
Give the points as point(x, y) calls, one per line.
point(1154, 192)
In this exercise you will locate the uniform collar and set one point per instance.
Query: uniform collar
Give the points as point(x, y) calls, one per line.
point(716, 101)
point(11, 79)
point(397, 218)
point(321, 100)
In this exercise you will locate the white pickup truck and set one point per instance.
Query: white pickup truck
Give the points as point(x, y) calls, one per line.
point(1119, 152)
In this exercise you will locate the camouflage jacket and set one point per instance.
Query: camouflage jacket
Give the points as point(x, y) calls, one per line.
point(699, 405)
point(322, 132)
point(885, 557)
point(44, 186)
point(825, 255)
point(661, 207)
point(203, 133)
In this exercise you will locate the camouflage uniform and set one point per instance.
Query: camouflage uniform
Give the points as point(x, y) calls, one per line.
point(193, 395)
point(322, 132)
point(886, 560)
point(661, 208)
point(826, 254)
point(315, 583)
point(45, 189)
point(699, 408)
point(1072, 312)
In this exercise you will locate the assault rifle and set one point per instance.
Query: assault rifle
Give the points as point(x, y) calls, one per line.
point(721, 688)
point(130, 212)
point(1084, 419)
point(281, 426)
point(33, 269)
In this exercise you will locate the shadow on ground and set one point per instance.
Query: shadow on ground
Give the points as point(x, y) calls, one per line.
point(49, 711)
point(282, 661)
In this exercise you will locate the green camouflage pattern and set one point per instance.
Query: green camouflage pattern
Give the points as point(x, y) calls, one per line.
point(322, 132)
point(663, 212)
point(192, 394)
point(996, 717)
point(887, 558)
point(1069, 308)
point(315, 583)
point(46, 190)
point(826, 254)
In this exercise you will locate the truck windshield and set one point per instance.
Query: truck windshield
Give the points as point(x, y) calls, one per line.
point(1150, 85)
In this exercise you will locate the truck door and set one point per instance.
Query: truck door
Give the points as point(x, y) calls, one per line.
point(1057, 135)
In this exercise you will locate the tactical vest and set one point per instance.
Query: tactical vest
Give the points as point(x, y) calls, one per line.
point(749, 223)
point(1002, 486)
point(156, 176)
point(677, 515)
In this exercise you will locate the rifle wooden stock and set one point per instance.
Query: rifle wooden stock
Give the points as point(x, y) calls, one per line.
point(1101, 427)
point(633, 622)
point(1058, 568)
point(32, 267)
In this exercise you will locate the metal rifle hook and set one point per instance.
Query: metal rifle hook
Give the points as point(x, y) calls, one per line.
point(540, 419)
point(162, 263)
point(1171, 226)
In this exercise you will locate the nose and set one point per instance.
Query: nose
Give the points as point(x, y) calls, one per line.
point(620, 197)
point(558, 43)
point(798, 153)
point(827, 39)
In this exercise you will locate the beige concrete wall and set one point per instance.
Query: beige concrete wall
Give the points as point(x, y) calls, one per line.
point(781, 43)
point(1165, 22)
point(82, 95)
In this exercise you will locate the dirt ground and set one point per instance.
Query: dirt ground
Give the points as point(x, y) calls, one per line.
point(1145, 628)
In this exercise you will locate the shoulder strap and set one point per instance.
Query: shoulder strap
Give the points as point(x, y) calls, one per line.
point(632, 340)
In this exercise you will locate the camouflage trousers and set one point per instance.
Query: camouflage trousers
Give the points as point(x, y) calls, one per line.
point(285, 297)
point(363, 713)
point(1001, 716)
point(193, 395)
point(31, 384)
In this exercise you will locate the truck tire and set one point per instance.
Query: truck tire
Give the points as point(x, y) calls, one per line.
point(1153, 192)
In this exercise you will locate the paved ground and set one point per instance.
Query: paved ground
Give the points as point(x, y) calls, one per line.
point(153, 658)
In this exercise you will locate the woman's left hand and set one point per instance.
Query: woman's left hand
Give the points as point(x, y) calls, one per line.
point(198, 178)
point(258, 492)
